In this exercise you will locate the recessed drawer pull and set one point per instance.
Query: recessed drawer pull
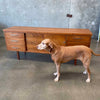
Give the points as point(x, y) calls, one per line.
point(15, 47)
point(14, 40)
point(13, 34)
point(77, 38)
point(64, 42)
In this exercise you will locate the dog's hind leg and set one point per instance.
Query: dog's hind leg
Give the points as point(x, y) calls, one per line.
point(86, 64)
point(87, 71)
point(88, 79)
point(58, 72)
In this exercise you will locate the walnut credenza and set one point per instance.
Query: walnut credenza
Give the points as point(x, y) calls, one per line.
point(25, 39)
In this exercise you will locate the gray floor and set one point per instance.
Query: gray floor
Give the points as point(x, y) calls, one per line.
point(31, 78)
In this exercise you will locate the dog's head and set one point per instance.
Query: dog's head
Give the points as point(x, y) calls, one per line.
point(46, 44)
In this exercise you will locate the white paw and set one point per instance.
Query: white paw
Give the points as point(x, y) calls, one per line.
point(56, 79)
point(88, 80)
point(55, 73)
point(85, 72)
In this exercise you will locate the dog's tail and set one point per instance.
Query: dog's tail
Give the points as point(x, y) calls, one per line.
point(94, 53)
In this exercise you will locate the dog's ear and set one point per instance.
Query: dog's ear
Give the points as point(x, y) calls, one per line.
point(51, 45)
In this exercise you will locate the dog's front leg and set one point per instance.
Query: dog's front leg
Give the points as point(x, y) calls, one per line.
point(55, 73)
point(58, 72)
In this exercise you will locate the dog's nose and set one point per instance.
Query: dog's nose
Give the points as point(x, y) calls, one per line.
point(37, 46)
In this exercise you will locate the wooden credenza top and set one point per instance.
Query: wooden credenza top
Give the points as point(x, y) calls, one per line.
point(68, 31)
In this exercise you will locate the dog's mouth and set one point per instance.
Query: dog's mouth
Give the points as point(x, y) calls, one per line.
point(38, 47)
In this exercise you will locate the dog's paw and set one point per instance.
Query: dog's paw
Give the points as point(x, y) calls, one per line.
point(55, 73)
point(85, 72)
point(56, 79)
point(88, 80)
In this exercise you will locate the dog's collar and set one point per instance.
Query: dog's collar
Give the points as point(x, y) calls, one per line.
point(50, 50)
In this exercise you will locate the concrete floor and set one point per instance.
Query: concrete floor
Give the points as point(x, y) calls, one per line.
point(31, 78)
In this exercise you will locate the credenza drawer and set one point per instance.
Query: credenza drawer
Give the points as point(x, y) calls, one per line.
point(14, 35)
point(77, 38)
point(15, 41)
point(16, 47)
point(77, 43)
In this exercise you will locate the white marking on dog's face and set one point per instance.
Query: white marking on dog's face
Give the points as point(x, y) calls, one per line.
point(42, 46)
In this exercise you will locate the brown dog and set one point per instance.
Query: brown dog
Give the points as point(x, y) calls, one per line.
point(61, 54)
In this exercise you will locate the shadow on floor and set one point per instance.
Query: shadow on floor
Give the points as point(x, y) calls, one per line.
point(37, 57)
point(72, 75)
point(67, 76)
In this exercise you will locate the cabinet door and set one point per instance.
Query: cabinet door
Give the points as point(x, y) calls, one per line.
point(58, 39)
point(32, 40)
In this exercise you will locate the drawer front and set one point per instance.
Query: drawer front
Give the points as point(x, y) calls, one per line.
point(78, 43)
point(16, 41)
point(58, 39)
point(14, 35)
point(16, 47)
point(78, 38)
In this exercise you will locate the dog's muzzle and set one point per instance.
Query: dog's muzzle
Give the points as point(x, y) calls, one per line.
point(38, 47)
point(41, 46)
